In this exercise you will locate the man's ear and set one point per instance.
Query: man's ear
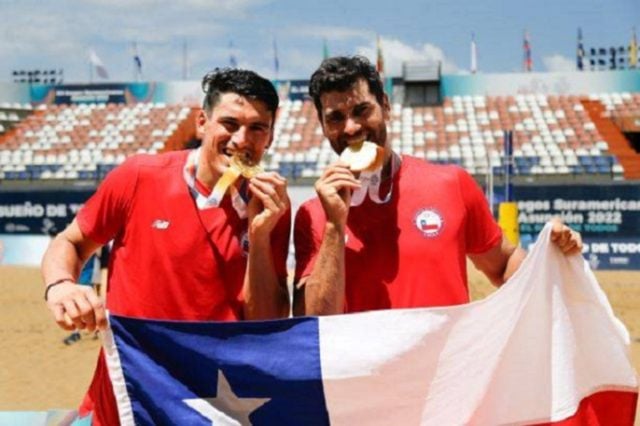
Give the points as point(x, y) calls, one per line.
point(271, 135)
point(201, 121)
point(386, 107)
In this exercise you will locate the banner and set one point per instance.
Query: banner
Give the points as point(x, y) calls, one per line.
point(545, 348)
point(39, 212)
point(540, 83)
point(616, 254)
point(293, 89)
point(607, 216)
point(116, 93)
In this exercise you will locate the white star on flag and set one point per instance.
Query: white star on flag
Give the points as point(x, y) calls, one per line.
point(226, 409)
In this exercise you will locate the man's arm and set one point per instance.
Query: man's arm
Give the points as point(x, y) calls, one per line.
point(323, 291)
point(265, 295)
point(500, 262)
point(73, 306)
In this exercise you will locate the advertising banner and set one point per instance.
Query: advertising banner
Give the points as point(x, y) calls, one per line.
point(607, 216)
point(541, 83)
point(39, 212)
point(293, 89)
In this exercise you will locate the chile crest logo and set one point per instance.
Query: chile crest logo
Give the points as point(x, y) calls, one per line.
point(429, 222)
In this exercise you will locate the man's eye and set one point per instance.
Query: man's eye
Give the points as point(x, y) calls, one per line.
point(229, 125)
point(361, 111)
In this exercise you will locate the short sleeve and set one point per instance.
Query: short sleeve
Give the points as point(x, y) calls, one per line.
point(481, 230)
point(306, 246)
point(104, 215)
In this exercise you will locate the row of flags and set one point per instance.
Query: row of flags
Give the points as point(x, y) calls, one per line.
point(100, 69)
point(98, 66)
point(233, 60)
point(527, 61)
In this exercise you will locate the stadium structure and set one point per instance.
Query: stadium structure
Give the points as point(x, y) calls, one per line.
point(576, 143)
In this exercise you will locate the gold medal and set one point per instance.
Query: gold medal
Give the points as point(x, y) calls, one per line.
point(244, 166)
point(363, 156)
point(240, 165)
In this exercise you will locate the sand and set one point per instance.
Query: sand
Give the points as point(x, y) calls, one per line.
point(38, 372)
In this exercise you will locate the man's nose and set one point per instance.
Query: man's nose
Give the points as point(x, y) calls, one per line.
point(239, 138)
point(352, 126)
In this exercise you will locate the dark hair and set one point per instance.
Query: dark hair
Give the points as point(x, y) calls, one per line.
point(243, 82)
point(340, 73)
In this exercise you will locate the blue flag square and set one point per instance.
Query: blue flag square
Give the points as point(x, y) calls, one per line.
point(221, 372)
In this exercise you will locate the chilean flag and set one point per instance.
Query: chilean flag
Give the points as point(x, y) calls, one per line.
point(546, 348)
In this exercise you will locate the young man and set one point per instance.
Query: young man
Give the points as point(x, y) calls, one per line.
point(397, 237)
point(181, 251)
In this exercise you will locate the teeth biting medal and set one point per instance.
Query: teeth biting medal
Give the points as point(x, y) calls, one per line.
point(363, 156)
point(245, 165)
point(240, 165)
point(366, 159)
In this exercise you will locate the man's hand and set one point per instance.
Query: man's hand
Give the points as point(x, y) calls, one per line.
point(269, 202)
point(566, 239)
point(334, 191)
point(76, 306)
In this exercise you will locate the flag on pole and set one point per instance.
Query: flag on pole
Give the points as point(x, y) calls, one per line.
point(233, 62)
point(474, 58)
point(528, 63)
point(276, 61)
point(380, 58)
point(633, 50)
point(97, 63)
point(580, 52)
point(137, 61)
point(325, 49)
point(545, 348)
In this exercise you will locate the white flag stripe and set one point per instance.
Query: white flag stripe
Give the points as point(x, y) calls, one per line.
point(117, 377)
point(528, 353)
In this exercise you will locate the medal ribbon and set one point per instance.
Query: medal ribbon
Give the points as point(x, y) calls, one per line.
point(371, 180)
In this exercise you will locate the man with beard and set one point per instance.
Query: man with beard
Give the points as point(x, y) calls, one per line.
point(397, 236)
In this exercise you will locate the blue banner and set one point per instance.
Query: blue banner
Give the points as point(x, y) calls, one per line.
point(599, 211)
point(607, 216)
point(293, 89)
point(117, 93)
point(619, 253)
point(39, 212)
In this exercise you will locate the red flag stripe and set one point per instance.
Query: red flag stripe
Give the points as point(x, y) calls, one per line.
point(610, 408)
